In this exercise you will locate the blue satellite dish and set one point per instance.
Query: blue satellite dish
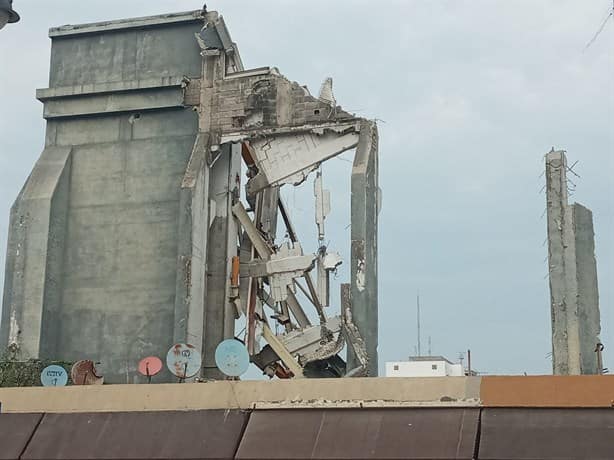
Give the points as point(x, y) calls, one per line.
point(232, 358)
point(54, 376)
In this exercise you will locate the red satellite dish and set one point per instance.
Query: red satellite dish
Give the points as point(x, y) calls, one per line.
point(150, 366)
point(84, 373)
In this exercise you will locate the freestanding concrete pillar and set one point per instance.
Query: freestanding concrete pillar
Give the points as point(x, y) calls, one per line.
point(365, 204)
point(574, 296)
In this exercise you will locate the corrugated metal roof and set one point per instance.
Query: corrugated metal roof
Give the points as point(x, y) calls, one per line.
point(211, 434)
point(414, 433)
point(15, 432)
point(547, 434)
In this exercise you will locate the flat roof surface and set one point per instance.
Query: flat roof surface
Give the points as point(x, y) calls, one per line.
point(128, 23)
point(429, 358)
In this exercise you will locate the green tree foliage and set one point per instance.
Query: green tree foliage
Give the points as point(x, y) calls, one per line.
point(24, 373)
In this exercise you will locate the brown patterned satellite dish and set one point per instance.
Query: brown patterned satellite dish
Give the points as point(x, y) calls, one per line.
point(84, 373)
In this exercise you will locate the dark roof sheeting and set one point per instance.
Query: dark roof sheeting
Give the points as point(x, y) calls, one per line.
point(212, 434)
point(425, 433)
point(547, 434)
point(15, 432)
point(413, 433)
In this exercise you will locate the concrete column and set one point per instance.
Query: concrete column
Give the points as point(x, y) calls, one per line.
point(35, 256)
point(222, 246)
point(192, 248)
point(559, 236)
point(364, 204)
point(193, 323)
point(573, 276)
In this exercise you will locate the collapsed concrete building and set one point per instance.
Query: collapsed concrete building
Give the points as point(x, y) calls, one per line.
point(131, 232)
point(574, 295)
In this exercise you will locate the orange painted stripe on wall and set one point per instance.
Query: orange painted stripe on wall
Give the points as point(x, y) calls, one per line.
point(547, 391)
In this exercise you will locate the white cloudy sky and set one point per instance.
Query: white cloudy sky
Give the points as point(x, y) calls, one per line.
point(470, 93)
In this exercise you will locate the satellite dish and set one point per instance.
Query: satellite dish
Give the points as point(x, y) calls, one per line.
point(150, 366)
point(183, 360)
point(54, 376)
point(84, 373)
point(232, 358)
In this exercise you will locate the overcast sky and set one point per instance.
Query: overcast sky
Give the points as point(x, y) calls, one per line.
point(470, 94)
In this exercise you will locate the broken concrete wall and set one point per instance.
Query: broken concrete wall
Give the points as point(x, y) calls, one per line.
point(291, 134)
point(589, 321)
point(263, 98)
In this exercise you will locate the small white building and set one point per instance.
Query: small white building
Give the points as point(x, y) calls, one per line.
point(424, 366)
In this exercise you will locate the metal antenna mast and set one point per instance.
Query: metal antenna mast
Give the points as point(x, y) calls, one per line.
point(418, 315)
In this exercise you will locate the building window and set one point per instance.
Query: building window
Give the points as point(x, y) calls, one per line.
point(396, 367)
point(434, 367)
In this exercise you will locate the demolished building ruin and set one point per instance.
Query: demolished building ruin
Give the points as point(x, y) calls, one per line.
point(131, 233)
point(574, 295)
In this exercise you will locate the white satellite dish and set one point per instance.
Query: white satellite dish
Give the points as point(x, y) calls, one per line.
point(183, 360)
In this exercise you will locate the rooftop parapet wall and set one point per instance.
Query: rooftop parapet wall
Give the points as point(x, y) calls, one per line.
point(311, 393)
point(489, 391)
